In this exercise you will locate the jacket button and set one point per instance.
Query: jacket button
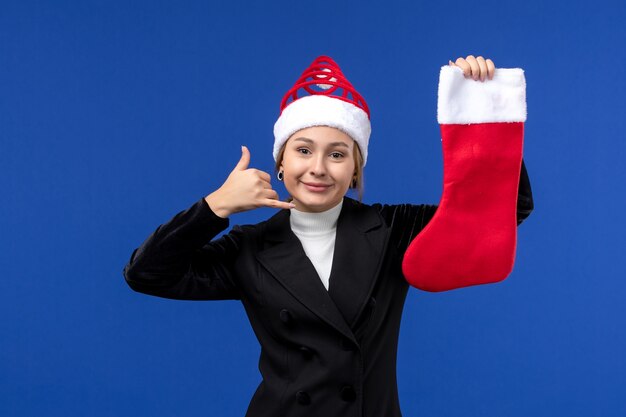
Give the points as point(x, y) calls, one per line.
point(303, 398)
point(347, 345)
point(285, 316)
point(348, 393)
point(306, 352)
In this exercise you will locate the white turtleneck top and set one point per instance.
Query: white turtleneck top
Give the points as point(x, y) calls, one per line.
point(317, 233)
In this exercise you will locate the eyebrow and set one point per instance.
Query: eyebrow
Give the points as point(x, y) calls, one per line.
point(307, 140)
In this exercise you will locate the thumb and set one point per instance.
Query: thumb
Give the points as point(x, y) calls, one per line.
point(244, 161)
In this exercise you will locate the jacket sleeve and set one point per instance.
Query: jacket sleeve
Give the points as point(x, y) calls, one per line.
point(407, 220)
point(179, 260)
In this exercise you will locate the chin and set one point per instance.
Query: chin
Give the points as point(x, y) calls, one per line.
point(316, 205)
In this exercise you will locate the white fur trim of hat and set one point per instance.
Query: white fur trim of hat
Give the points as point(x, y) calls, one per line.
point(323, 111)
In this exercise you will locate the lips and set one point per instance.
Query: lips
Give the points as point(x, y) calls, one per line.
point(316, 187)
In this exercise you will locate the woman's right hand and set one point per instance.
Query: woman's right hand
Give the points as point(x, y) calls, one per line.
point(244, 189)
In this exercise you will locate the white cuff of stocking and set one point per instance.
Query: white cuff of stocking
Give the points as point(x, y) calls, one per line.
point(319, 110)
point(465, 101)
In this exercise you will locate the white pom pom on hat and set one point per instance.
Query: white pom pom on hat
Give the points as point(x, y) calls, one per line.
point(337, 104)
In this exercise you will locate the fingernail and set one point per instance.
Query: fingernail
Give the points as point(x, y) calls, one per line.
point(292, 205)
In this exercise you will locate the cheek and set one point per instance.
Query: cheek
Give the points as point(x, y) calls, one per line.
point(344, 174)
point(289, 180)
point(293, 168)
point(291, 174)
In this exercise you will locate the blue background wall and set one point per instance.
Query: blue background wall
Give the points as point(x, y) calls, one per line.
point(114, 116)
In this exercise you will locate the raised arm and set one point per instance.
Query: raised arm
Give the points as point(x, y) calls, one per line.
point(179, 260)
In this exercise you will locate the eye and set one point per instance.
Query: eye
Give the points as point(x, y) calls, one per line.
point(303, 151)
point(336, 155)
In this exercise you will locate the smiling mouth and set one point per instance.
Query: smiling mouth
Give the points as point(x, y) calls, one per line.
point(317, 187)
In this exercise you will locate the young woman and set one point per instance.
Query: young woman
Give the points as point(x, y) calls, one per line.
point(321, 280)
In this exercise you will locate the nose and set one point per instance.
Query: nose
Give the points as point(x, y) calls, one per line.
point(318, 166)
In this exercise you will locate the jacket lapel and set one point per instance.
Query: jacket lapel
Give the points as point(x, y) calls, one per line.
point(285, 259)
point(359, 244)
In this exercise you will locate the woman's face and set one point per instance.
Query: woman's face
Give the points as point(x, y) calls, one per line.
point(318, 167)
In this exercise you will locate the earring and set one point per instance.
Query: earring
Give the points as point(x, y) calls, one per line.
point(280, 175)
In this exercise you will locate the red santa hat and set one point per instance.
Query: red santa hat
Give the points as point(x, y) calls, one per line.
point(334, 103)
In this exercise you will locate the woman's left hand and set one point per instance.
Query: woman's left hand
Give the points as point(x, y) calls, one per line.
point(477, 68)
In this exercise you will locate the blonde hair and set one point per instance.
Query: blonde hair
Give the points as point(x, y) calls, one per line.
point(357, 179)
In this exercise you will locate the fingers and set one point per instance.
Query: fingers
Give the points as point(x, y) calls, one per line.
point(244, 161)
point(465, 66)
point(271, 194)
point(491, 69)
point(248, 188)
point(477, 68)
point(269, 198)
point(275, 203)
point(263, 175)
point(483, 67)
point(474, 66)
point(261, 179)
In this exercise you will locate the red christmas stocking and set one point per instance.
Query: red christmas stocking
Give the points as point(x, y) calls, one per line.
point(471, 238)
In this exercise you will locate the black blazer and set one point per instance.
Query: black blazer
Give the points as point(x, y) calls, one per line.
point(326, 353)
